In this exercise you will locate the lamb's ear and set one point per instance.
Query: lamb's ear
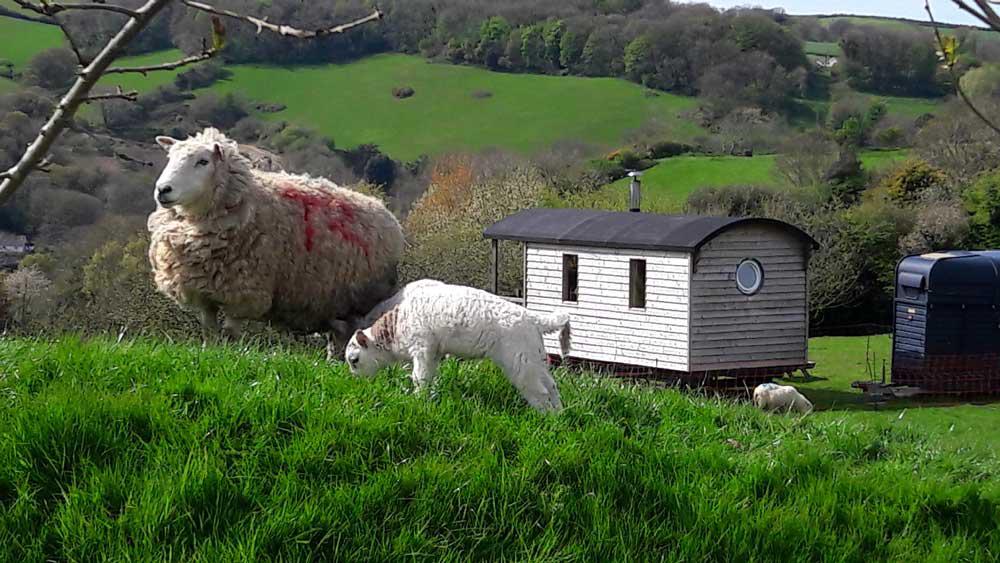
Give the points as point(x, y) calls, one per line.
point(165, 142)
point(217, 152)
point(363, 340)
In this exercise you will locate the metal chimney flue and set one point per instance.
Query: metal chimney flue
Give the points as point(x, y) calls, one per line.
point(635, 192)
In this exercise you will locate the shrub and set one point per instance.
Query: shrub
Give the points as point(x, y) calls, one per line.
point(939, 225)
point(29, 298)
point(911, 178)
point(201, 76)
point(53, 69)
point(403, 92)
point(667, 149)
point(982, 201)
point(445, 227)
point(482, 94)
point(219, 111)
point(607, 170)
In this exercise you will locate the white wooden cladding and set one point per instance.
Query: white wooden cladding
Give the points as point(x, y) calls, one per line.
point(729, 328)
point(604, 327)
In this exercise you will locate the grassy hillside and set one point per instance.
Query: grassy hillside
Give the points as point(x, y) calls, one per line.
point(145, 451)
point(22, 40)
point(667, 185)
point(353, 104)
point(841, 361)
point(823, 49)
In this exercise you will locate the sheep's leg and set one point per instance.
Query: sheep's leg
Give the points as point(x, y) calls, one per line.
point(208, 316)
point(232, 328)
point(425, 367)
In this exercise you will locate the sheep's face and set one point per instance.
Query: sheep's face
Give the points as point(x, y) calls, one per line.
point(363, 356)
point(188, 179)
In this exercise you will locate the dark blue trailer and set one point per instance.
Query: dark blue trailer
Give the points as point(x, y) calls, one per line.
point(946, 323)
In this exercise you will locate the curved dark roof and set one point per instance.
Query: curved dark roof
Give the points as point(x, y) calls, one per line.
point(618, 229)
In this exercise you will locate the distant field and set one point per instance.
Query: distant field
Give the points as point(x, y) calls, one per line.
point(150, 81)
point(841, 361)
point(455, 108)
point(21, 40)
point(667, 185)
point(830, 49)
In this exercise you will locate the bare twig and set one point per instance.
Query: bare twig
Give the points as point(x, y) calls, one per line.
point(68, 105)
point(203, 56)
point(949, 62)
point(79, 93)
point(52, 8)
point(128, 158)
point(117, 95)
point(280, 29)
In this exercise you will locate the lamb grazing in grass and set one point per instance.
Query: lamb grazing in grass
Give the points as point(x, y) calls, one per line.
point(432, 319)
point(770, 396)
point(257, 245)
point(333, 351)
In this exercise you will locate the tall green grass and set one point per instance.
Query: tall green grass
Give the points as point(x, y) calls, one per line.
point(143, 451)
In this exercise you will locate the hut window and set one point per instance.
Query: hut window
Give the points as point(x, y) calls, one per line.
point(637, 284)
point(749, 277)
point(570, 287)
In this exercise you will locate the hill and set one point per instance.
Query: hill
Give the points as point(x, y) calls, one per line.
point(667, 185)
point(150, 451)
point(455, 108)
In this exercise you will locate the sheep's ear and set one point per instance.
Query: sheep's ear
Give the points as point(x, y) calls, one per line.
point(363, 340)
point(165, 142)
point(217, 152)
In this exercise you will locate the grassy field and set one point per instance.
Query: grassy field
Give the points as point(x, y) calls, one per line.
point(830, 49)
point(522, 113)
point(353, 104)
point(841, 361)
point(22, 40)
point(143, 451)
point(667, 185)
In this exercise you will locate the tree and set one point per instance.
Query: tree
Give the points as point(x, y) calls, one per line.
point(533, 47)
point(93, 69)
point(552, 35)
point(639, 59)
point(571, 49)
point(52, 69)
point(493, 36)
point(29, 297)
point(890, 61)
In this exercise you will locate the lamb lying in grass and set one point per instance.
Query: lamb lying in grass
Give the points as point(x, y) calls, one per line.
point(429, 320)
point(770, 396)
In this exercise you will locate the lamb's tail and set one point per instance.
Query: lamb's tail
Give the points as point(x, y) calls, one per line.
point(556, 322)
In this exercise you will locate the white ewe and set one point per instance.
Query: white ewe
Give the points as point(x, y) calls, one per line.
point(433, 319)
point(295, 250)
point(770, 396)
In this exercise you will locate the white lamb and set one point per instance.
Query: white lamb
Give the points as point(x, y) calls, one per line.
point(299, 251)
point(770, 396)
point(433, 319)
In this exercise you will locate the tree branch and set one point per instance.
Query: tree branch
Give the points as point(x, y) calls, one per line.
point(203, 56)
point(52, 8)
point(117, 95)
point(280, 29)
point(63, 115)
point(949, 64)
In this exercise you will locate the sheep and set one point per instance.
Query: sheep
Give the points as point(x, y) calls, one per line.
point(334, 350)
point(770, 396)
point(431, 319)
point(256, 245)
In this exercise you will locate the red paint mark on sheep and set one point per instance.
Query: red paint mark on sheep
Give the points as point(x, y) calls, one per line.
point(338, 215)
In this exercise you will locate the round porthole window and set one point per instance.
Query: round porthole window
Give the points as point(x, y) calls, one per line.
point(749, 277)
